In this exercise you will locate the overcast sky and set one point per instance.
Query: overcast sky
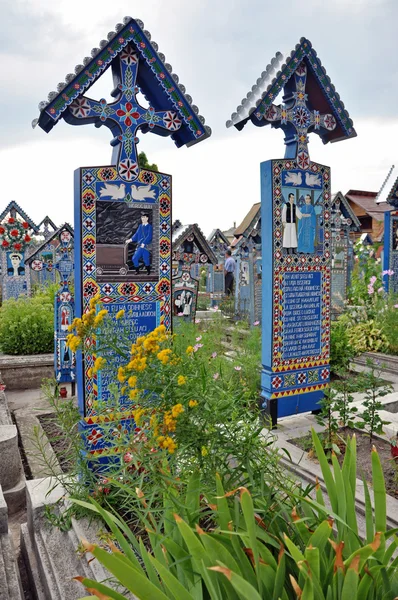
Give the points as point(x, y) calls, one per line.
point(218, 48)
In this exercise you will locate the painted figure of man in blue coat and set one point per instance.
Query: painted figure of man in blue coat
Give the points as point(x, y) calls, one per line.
point(143, 238)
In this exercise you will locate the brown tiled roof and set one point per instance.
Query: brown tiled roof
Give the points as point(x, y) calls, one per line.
point(366, 200)
point(241, 229)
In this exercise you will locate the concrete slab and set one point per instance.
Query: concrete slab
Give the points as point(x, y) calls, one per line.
point(53, 557)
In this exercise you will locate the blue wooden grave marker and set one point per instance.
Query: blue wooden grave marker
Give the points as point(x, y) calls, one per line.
point(16, 230)
point(296, 223)
point(122, 212)
point(215, 282)
point(343, 220)
point(190, 251)
point(390, 257)
point(56, 257)
point(247, 252)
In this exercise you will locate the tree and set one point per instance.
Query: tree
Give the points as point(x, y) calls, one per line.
point(144, 164)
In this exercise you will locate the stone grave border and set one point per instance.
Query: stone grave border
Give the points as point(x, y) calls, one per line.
point(26, 372)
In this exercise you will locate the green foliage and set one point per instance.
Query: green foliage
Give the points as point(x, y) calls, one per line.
point(329, 419)
point(367, 336)
point(27, 325)
point(388, 320)
point(144, 164)
point(341, 351)
point(223, 549)
point(345, 386)
point(375, 388)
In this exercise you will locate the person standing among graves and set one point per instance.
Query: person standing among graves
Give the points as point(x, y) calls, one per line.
point(229, 272)
point(143, 237)
point(290, 214)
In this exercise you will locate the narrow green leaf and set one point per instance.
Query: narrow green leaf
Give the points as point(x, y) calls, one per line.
point(171, 582)
point(151, 573)
point(193, 495)
point(293, 550)
point(244, 589)
point(224, 515)
point(341, 497)
point(379, 490)
point(351, 581)
point(131, 579)
point(326, 472)
point(279, 577)
point(368, 513)
point(100, 587)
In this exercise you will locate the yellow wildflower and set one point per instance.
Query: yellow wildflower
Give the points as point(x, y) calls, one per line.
point(123, 390)
point(181, 380)
point(189, 350)
point(133, 393)
point(192, 403)
point(99, 363)
point(120, 375)
point(73, 341)
point(169, 424)
point(138, 414)
point(100, 317)
point(204, 451)
point(167, 443)
point(164, 356)
point(120, 314)
point(177, 410)
point(95, 300)
point(132, 381)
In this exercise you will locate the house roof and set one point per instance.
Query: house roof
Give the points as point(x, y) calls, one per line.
point(15, 206)
point(184, 231)
point(156, 81)
point(277, 75)
point(247, 222)
point(54, 235)
point(367, 201)
point(346, 210)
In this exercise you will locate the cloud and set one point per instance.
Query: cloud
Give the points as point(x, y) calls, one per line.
point(214, 183)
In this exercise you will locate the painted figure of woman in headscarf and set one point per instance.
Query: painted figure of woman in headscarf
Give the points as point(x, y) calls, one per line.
point(307, 228)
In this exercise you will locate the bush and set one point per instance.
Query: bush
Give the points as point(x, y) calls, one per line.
point(27, 325)
point(341, 351)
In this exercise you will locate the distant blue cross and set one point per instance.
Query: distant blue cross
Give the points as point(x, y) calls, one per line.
point(297, 119)
point(124, 116)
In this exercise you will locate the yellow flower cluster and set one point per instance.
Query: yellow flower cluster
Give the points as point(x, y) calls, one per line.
point(192, 403)
point(164, 356)
point(167, 443)
point(138, 414)
point(177, 410)
point(189, 350)
point(83, 325)
point(181, 380)
point(120, 314)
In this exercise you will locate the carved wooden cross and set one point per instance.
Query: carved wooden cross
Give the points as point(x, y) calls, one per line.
point(297, 119)
point(124, 116)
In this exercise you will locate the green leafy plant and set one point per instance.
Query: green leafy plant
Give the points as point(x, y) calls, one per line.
point(317, 554)
point(341, 351)
point(329, 420)
point(367, 336)
point(27, 325)
point(376, 388)
point(345, 386)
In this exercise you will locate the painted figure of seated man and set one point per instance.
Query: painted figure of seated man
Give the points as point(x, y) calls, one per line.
point(143, 238)
point(307, 228)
